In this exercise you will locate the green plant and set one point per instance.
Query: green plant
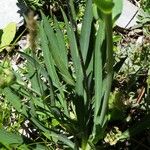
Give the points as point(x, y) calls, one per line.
point(7, 35)
point(70, 88)
point(145, 5)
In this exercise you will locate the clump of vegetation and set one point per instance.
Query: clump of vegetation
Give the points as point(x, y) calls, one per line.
point(77, 88)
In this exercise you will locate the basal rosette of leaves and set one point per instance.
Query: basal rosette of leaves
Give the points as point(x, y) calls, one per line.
point(67, 89)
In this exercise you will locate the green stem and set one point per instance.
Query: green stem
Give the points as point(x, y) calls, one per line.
point(84, 144)
point(109, 67)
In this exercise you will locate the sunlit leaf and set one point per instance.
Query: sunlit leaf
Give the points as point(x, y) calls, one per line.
point(8, 35)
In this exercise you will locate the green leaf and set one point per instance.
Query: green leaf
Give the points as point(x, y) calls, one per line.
point(7, 139)
point(35, 70)
point(89, 60)
point(118, 4)
point(49, 134)
point(30, 59)
point(60, 137)
point(105, 6)
point(75, 56)
point(47, 56)
point(56, 50)
point(36, 82)
point(40, 147)
point(86, 29)
point(14, 100)
point(61, 43)
point(98, 68)
point(50, 65)
point(8, 35)
point(119, 64)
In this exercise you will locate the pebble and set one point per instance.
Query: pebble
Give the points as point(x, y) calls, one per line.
point(11, 11)
point(129, 15)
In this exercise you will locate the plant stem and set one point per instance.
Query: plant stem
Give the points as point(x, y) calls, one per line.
point(84, 144)
point(109, 67)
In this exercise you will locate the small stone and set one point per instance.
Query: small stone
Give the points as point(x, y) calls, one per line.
point(140, 40)
point(11, 11)
point(129, 15)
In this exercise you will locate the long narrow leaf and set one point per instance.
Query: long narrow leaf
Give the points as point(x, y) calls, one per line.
point(75, 56)
point(30, 59)
point(50, 65)
point(35, 79)
point(98, 67)
point(49, 134)
point(48, 57)
point(55, 52)
point(86, 29)
point(97, 127)
point(61, 43)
